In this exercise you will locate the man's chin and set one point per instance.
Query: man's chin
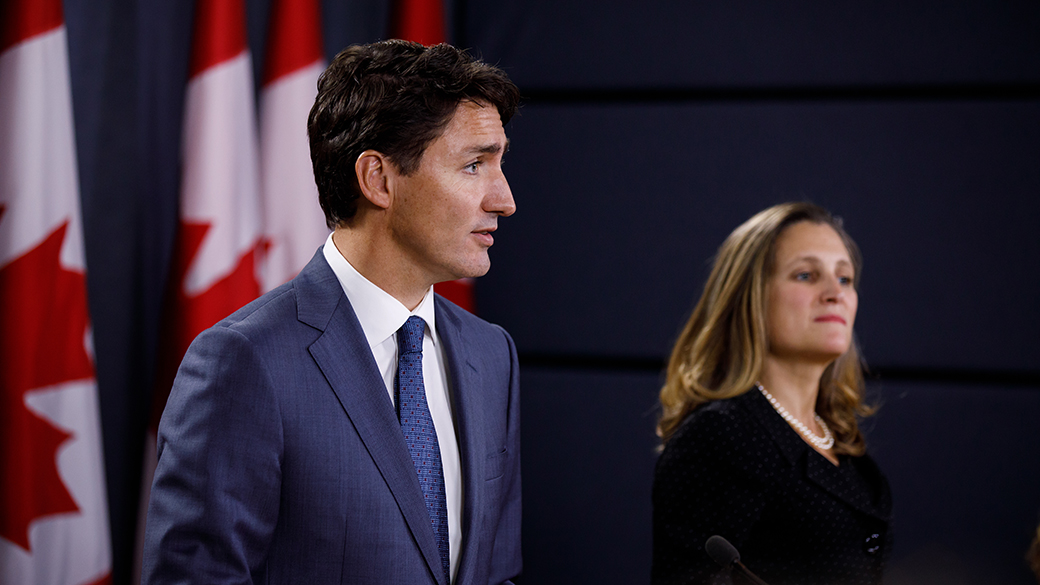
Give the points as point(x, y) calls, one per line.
point(475, 269)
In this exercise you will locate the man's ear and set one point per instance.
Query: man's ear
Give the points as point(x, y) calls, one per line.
point(373, 171)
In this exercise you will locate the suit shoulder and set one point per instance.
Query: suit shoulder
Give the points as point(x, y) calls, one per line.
point(721, 431)
point(270, 311)
point(714, 422)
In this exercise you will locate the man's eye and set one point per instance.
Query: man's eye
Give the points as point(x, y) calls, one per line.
point(472, 167)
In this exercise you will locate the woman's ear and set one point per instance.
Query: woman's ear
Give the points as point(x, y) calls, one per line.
point(372, 169)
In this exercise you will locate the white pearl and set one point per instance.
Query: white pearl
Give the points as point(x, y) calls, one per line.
point(825, 442)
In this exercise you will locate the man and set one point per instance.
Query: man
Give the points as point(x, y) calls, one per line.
point(307, 439)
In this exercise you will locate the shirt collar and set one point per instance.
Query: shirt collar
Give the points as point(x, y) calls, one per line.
point(379, 313)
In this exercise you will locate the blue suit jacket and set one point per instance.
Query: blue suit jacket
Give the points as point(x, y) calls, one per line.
point(281, 459)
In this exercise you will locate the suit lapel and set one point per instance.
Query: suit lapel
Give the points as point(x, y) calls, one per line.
point(839, 481)
point(343, 355)
point(469, 421)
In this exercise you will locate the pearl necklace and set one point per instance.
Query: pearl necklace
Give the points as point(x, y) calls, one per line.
point(825, 442)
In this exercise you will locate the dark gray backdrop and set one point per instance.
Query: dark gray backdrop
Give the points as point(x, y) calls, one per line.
point(650, 130)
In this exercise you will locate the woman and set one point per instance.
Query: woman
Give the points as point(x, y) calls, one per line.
point(759, 424)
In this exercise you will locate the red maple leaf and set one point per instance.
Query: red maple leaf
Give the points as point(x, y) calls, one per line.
point(43, 309)
point(185, 316)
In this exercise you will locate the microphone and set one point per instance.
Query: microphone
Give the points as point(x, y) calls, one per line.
point(726, 555)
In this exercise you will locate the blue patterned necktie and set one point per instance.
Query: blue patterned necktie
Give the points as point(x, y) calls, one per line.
point(419, 433)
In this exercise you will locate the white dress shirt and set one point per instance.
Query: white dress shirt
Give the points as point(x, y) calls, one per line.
point(381, 315)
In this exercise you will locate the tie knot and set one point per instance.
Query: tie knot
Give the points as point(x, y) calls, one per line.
point(410, 335)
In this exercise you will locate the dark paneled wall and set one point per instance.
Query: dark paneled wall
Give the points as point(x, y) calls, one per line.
point(588, 456)
point(621, 207)
point(652, 129)
point(756, 44)
point(962, 460)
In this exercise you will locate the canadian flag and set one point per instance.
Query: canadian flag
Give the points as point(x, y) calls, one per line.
point(294, 224)
point(219, 245)
point(53, 510)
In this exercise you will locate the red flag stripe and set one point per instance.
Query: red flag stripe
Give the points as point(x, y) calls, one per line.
point(220, 33)
point(25, 19)
point(459, 292)
point(294, 38)
point(421, 21)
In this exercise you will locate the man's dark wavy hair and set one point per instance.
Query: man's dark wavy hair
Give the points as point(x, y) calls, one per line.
point(394, 97)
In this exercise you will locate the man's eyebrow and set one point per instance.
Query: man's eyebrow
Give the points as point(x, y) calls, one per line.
point(489, 148)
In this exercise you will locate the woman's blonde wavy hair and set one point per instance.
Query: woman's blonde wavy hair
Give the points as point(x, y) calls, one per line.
point(720, 352)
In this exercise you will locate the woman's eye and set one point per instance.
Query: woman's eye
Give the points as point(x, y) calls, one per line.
point(845, 280)
point(806, 276)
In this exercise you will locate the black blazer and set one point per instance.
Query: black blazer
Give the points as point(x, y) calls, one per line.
point(737, 469)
